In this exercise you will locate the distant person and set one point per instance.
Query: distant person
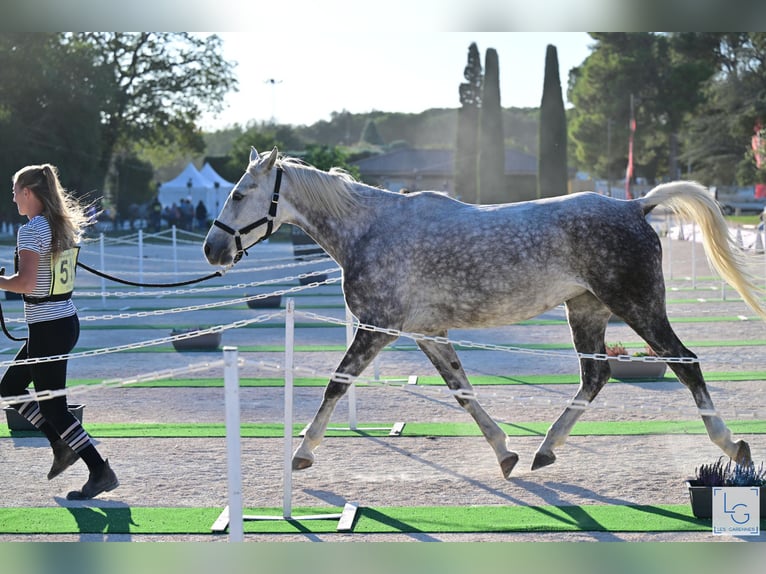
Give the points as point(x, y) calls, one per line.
point(155, 215)
point(200, 213)
point(46, 253)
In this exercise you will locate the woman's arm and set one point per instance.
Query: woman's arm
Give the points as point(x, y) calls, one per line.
point(26, 279)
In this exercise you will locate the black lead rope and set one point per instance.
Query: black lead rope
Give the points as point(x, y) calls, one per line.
point(116, 279)
point(5, 329)
point(2, 319)
point(136, 284)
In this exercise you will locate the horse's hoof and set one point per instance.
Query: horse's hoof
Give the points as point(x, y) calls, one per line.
point(301, 463)
point(508, 463)
point(542, 460)
point(743, 454)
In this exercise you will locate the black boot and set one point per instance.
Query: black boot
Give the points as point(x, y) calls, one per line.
point(63, 457)
point(101, 480)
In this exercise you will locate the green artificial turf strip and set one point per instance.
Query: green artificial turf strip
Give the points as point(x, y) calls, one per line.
point(476, 380)
point(168, 348)
point(147, 520)
point(414, 429)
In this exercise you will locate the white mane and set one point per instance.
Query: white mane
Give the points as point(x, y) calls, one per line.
point(333, 191)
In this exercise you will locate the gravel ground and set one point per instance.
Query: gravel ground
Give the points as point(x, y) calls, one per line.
point(391, 471)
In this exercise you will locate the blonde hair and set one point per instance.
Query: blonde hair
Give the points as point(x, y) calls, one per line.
point(64, 213)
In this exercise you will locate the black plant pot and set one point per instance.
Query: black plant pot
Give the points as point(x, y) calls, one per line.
point(312, 279)
point(206, 342)
point(270, 302)
point(701, 498)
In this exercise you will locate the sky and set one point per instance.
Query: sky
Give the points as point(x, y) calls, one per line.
point(302, 81)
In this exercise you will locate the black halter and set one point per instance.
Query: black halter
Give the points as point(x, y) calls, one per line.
point(268, 221)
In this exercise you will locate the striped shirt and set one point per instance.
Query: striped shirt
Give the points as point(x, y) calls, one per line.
point(36, 236)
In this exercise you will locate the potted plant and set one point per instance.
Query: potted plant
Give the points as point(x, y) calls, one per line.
point(264, 302)
point(633, 370)
point(201, 342)
point(718, 474)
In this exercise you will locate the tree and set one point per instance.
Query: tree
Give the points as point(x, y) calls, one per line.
point(552, 158)
point(263, 137)
point(49, 109)
point(326, 157)
point(663, 73)
point(491, 164)
point(466, 144)
point(370, 134)
point(160, 84)
point(718, 140)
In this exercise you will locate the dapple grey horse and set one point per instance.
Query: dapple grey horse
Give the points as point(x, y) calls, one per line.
point(426, 263)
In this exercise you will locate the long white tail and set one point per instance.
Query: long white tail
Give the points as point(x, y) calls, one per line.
point(691, 201)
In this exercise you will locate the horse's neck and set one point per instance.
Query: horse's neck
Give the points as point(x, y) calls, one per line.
point(335, 234)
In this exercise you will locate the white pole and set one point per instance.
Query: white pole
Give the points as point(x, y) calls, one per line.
point(103, 268)
point(288, 444)
point(764, 249)
point(175, 254)
point(352, 387)
point(141, 257)
point(233, 448)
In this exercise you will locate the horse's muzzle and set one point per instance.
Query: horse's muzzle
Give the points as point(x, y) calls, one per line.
point(217, 256)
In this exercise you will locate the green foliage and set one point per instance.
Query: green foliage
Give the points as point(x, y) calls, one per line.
point(717, 140)
point(471, 90)
point(371, 135)
point(552, 176)
point(83, 100)
point(466, 141)
point(665, 74)
point(730, 474)
point(326, 157)
point(491, 144)
point(263, 137)
point(50, 98)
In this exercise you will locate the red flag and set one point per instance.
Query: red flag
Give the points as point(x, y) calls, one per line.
point(629, 170)
point(755, 142)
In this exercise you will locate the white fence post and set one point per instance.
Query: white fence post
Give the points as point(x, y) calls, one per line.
point(287, 493)
point(233, 447)
point(352, 387)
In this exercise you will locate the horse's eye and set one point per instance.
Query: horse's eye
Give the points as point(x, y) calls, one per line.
point(236, 196)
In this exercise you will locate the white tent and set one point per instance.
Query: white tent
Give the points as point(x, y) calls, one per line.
point(189, 183)
point(220, 191)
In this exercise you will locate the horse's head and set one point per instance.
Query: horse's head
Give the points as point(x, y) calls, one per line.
point(249, 213)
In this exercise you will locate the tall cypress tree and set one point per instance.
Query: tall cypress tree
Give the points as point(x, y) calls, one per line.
point(468, 129)
point(552, 158)
point(492, 186)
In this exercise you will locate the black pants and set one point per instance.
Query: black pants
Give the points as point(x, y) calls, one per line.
point(46, 339)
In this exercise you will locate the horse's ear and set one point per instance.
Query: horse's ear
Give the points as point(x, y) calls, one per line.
point(272, 158)
point(254, 155)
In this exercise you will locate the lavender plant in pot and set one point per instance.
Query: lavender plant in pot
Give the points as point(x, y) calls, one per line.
point(720, 474)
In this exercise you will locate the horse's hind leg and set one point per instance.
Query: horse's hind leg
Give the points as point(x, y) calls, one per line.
point(365, 346)
point(445, 359)
point(588, 318)
point(663, 340)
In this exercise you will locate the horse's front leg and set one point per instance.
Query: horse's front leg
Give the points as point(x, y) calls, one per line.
point(445, 359)
point(365, 346)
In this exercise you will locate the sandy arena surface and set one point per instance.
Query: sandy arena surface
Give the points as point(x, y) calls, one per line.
point(385, 471)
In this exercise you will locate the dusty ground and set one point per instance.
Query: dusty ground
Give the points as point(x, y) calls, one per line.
point(393, 471)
